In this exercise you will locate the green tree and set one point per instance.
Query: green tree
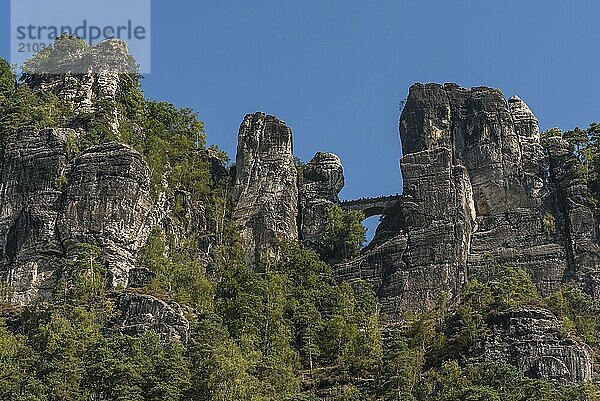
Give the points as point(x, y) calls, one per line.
point(24, 108)
point(7, 82)
point(62, 343)
point(480, 393)
point(219, 370)
point(166, 374)
point(343, 234)
point(279, 360)
point(83, 276)
point(178, 273)
point(401, 369)
point(309, 288)
point(579, 312)
point(579, 392)
point(508, 286)
point(18, 363)
point(352, 337)
point(114, 369)
point(171, 138)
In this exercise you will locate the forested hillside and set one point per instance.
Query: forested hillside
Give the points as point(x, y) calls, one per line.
point(132, 272)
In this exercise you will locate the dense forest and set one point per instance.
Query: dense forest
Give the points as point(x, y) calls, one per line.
point(283, 331)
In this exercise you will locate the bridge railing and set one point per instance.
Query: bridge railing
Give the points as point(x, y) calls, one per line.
point(371, 200)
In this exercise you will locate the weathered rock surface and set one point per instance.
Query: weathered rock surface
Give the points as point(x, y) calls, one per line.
point(322, 181)
point(474, 186)
point(52, 199)
point(531, 339)
point(428, 253)
point(265, 186)
point(30, 197)
point(578, 223)
point(83, 76)
point(88, 78)
point(142, 313)
point(49, 204)
point(106, 203)
point(140, 277)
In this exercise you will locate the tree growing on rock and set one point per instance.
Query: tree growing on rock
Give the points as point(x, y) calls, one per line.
point(343, 234)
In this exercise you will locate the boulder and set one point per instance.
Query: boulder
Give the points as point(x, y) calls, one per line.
point(142, 313)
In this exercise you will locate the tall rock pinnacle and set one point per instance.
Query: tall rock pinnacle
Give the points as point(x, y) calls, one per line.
point(266, 186)
point(322, 181)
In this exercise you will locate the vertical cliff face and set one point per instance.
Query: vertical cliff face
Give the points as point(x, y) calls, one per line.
point(30, 197)
point(265, 187)
point(475, 187)
point(577, 220)
point(322, 181)
point(51, 203)
point(107, 203)
point(272, 202)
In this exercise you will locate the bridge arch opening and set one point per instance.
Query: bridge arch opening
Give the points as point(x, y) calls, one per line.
point(373, 209)
point(371, 223)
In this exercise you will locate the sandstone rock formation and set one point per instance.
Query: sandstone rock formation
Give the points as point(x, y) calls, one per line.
point(53, 197)
point(322, 181)
point(531, 340)
point(265, 186)
point(49, 204)
point(87, 77)
point(30, 198)
point(106, 203)
point(475, 187)
point(578, 221)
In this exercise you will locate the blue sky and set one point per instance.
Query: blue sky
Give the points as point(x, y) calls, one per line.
point(336, 71)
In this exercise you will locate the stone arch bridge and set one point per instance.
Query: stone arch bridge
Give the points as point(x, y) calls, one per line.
point(371, 206)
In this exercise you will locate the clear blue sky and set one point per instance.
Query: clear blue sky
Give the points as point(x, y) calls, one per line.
point(336, 71)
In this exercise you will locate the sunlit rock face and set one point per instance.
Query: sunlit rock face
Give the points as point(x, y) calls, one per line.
point(579, 221)
point(89, 78)
point(265, 186)
point(54, 197)
point(30, 200)
point(106, 203)
point(141, 313)
point(51, 203)
point(476, 188)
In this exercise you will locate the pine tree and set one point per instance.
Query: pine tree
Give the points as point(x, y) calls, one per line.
point(401, 369)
